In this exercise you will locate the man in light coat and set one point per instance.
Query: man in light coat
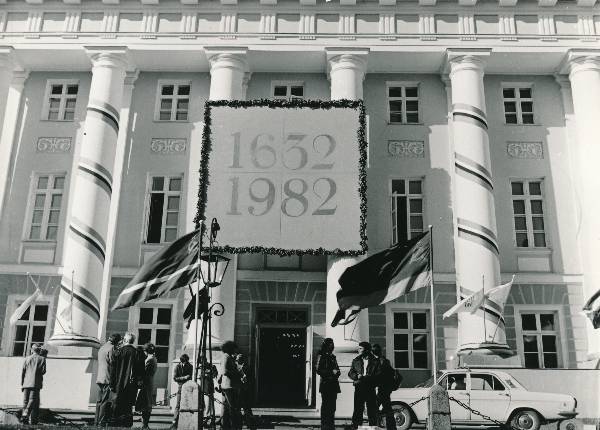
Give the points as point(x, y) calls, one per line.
point(32, 378)
point(230, 380)
point(106, 356)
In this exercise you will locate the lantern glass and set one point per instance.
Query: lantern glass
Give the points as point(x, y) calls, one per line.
point(213, 269)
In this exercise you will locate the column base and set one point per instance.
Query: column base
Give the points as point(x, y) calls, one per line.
point(73, 339)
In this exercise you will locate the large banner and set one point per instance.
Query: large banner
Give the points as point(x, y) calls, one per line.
point(285, 177)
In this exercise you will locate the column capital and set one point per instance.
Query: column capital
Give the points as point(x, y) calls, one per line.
point(227, 57)
point(580, 60)
point(131, 77)
point(8, 62)
point(110, 57)
point(465, 59)
point(347, 58)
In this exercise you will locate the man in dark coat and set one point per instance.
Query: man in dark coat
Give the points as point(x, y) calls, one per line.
point(364, 372)
point(386, 378)
point(126, 374)
point(106, 356)
point(32, 379)
point(183, 373)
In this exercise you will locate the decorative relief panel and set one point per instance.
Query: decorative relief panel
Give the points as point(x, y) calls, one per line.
point(168, 145)
point(406, 148)
point(53, 144)
point(534, 150)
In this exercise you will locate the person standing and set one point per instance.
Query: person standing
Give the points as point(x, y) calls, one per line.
point(126, 373)
point(364, 372)
point(230, 387)
point(144, 400)
point(208, 372)
point(246, 389)
point(329, 387)
point(183, 373)
point(106, 356)
point(32, 378)
point(384, 387)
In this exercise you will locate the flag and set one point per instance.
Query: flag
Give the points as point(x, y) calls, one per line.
point(174, 266)
point(383, 277)
point(469, 304)
point(18, 313)
point(473, 302)
point(593, 314)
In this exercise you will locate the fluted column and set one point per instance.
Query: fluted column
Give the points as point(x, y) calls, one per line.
point(229, 77)
point(346, 74)
point(12, 83)
point(584, 74)
point(476, 246)
point(78, 311)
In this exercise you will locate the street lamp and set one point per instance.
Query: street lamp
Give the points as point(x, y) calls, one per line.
point(211, 270)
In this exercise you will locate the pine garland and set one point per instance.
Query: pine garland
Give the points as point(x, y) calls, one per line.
point(273, 104)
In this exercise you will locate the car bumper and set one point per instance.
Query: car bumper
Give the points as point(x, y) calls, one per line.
point(568, 414)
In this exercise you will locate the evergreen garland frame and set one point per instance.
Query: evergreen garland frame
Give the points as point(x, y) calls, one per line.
point(294, 103)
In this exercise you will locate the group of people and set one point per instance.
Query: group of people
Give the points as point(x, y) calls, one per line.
point(234, 381)
point(372, 376)
point(125, 380)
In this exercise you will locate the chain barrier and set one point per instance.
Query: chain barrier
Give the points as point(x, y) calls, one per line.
point(16, 412)
point(418, 401)
point(485, 417)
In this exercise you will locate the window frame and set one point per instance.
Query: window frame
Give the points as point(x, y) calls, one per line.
point(288, 85)
point(30, 208)
point(404, 85)
point(13, 302)
point(408, 308)
point(528, 215)
point(63, 97)
point(157, 100)
point(148, 200)
point(517, 99)
point(394, 231)
point(561, 349)
point(133, 325)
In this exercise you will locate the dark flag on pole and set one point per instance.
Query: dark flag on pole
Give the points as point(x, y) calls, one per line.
point(383, 277)
point(174, 266)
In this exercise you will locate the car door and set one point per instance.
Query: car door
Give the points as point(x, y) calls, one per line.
point(456, 385)
point(489, 396)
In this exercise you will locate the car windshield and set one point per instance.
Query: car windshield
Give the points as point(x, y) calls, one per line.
point(513, 382)
point(430, 381)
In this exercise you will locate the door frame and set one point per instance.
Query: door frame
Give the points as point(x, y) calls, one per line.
point(254, 337)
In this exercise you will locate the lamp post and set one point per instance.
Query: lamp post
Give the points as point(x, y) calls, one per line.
point(211, 269)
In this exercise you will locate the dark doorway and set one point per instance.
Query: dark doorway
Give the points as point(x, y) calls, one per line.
point(281, 362)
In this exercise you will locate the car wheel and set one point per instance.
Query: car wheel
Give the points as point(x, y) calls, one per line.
point(402, 417)
point(525, 419)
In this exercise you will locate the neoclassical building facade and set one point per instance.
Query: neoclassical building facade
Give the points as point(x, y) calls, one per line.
point(481, 121)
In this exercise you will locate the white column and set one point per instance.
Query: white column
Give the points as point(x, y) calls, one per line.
point(120, 156)
point(346, 73)
point(584, 74)
point(476, 245)
point(12, 83)
point(78, 314)
point(228, 78)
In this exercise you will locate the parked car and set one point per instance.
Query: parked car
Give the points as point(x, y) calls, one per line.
point(495, 394)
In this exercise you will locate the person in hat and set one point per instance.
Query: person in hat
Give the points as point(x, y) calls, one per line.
point(32, 378)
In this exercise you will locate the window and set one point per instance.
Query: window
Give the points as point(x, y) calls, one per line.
point(410, 339)
point(30, 328)
point(60, 100)
point(403, 104)
point(45, 204)
point(484, 382)
point(540, 339)
point(287, 90)
point(154, 326)
point(407, 209)
point(163, 209)
point(518, 105)
point(455, 381)
point(528, 213)
point(173, 101)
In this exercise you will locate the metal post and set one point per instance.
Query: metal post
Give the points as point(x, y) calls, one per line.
point(197, 304)
point(433, 349)
point(483, 308)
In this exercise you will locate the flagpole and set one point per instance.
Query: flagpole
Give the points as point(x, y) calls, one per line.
point(197, 304)
point(433, 349)
point(483, 306)
point(72, 281)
